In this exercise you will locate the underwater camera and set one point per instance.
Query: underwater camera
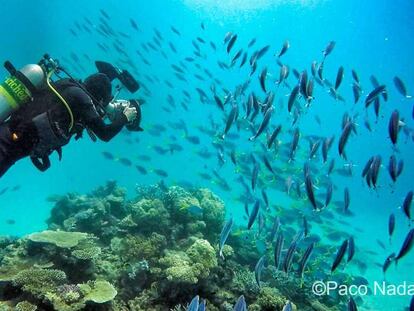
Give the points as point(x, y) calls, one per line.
point(129, 82)
point(123, 76)
point(134, 126)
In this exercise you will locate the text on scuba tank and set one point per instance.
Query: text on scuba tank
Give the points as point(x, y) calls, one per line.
point(18, 89)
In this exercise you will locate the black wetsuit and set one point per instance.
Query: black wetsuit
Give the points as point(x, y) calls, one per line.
point(18, 135)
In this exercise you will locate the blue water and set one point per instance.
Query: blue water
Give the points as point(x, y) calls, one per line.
point(372, 37)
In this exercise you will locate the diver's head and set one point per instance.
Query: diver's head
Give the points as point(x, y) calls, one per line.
point(100, 87)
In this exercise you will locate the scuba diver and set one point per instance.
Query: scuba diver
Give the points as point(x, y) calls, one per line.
point(39, 116)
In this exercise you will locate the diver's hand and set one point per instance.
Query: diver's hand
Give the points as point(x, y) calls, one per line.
point(130, 113)
point(121, 103)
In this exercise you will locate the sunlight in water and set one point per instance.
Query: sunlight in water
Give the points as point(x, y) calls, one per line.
point(245, 5)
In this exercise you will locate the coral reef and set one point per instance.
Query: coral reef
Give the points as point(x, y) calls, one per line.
point(153, 252)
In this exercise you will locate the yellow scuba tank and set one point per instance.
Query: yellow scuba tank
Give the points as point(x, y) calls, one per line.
point(18, 88)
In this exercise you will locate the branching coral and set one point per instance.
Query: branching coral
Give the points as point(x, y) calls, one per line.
point(39, 281)
point(150, 216)
point(190, 266)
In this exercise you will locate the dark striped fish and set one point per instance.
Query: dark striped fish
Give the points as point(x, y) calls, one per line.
point(253, 214)
point(262, 52)
point(294, 144)
point(314, 148)
point(346, 199)
point(391, 225)
point(289, 256)
point(285, 47)
point(305, 227)
point(283, 74)
point(258, 270)
point(264, 123)
point(407, 245)
point(231, 43)
point(262, 79)
point(305, 259)
point(355, 76)
point(352, 305)
point(219, 102)
point(273, 137)
point(388, 262)
point(394, 126)
point(394, 168)
point(320, 71)
point(292, 97)
point(367, 166)
point(249, 105)
point(275, 229)
point(339, 77)
point(331, 167)
point(406, 206)
point(344, 138)
point(356, 90)
point(328, 196)
point(314, 68)
point(309, 92)
point(374, 171)
point(278, 249)
point(374, 94)
point(329, 48)
point(399, 84)
point(236, 57)
point(303, 82)
point(268, 164)
point(327, 143)
point(309, 190)
point(255, 173)
point(230, 120)
point(339, 255)
point(224, 235)
point(265, 198)
point(351, 249)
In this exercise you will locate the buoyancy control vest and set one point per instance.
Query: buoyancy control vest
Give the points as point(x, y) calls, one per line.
point(50, 121)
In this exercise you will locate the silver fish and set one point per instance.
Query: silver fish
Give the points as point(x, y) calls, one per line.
point(253, 214)
point(240, 304)
point(305, 259)
point(230, 120)
point(285, 47)
point(224, 235)
point(278, 249)
point(339, 255)
point(258, 269)
point(264, 123)
point(194, 304)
